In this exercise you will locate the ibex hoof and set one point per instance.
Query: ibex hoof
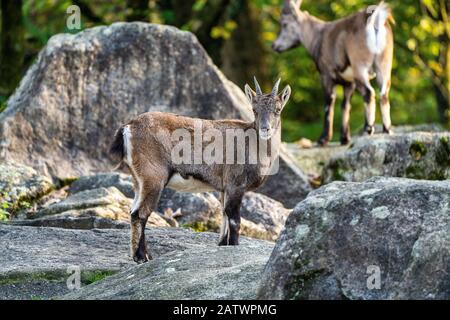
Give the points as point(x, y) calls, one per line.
point(230, 242)
point(345, 141)
point(370, 130)
point(139, 258)
point(323, 142)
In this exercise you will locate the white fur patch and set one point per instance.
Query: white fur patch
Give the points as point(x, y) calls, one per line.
point(225, 228)
point(376, 32)
point(347, 74)
point(127, 145)
point(178, 183)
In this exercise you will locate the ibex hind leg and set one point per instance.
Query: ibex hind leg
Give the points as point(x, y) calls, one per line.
point(368, 93)
point(383, 66)
point(149, 197)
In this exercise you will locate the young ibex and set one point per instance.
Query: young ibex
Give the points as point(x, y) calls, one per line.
point(346, 52)
point(146, 145)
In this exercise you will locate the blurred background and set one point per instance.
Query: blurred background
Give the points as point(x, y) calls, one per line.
point(238, 34)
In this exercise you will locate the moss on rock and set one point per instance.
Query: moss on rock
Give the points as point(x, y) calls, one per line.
point(417, 150)
point(443, 152)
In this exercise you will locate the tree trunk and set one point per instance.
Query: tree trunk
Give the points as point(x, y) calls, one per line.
point(12, 40)
point(244, 55)
point(210, 16)
point(442, 93)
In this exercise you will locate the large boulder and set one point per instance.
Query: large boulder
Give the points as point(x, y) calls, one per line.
point(204, 273)
point(386, 238)
point(62, 118)
point(417, 155)
point(82, 87)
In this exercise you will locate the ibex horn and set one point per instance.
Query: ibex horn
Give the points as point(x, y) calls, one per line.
point(257, 87)
point(275, 88)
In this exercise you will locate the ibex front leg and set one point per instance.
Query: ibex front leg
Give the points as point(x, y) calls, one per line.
point(231, 223)
point(330, 100)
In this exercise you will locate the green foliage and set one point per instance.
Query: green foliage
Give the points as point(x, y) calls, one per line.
point(4, 215)
point(443, 152)
point(94, 276)
point(3, 100)
point(199, 226)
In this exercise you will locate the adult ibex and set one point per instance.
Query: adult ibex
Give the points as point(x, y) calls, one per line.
point(149, 146)
point(346, 52)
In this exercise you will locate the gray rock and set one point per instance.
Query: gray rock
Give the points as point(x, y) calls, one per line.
point(262, 217)
point(197, 274)
point(104, 180)
point(35, 260)
point(199, 211)
point(96, 208)
point(418, 155)
point(342, 234)
point(426, 127)
point(110, 199)
point(106, 207)
point(312, 160)
point(31, 249)
point(73, 219)
point(62, 118)
point(19, 186)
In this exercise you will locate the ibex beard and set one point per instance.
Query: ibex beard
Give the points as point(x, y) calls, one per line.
point(186, 154)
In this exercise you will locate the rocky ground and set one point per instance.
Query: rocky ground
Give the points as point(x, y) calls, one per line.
point(36, 262)
point(351, 235)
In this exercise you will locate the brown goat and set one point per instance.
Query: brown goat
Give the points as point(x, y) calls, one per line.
point(149, 146)
point(346, 52)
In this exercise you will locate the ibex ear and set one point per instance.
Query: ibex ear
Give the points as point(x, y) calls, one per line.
point(249, 93)
point(285, 94)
